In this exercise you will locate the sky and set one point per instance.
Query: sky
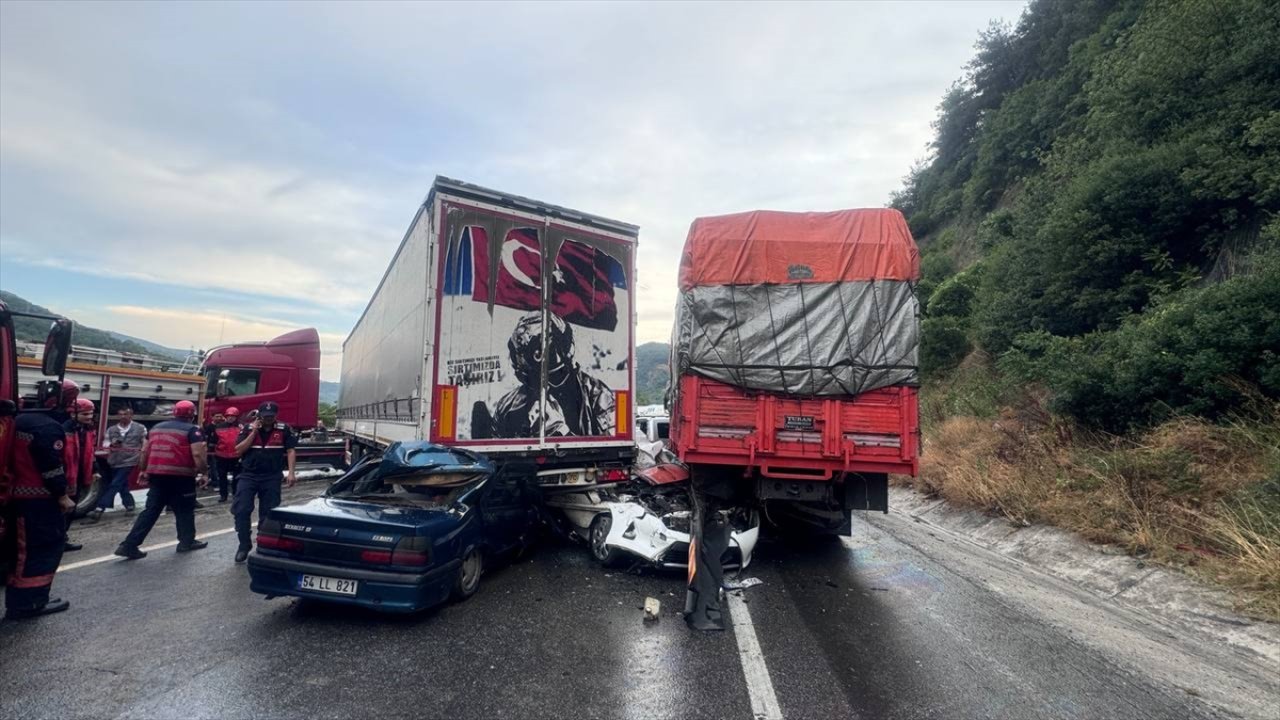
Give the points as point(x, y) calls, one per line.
point(196, 174)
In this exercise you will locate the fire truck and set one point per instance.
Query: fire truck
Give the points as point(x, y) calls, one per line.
point(113, 380)
point(53, 361)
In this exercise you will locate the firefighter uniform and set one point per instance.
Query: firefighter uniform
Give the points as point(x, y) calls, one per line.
point(226, 462)
point(78, 459)
point(261, 473)
point(171, 469)
point(39, 482)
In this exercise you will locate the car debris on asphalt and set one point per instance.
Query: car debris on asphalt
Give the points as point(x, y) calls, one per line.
point(652, 609)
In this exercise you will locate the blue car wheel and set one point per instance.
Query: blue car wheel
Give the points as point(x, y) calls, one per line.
point(469, 574)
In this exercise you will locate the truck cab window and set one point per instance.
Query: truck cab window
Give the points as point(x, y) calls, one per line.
point(664, 429)
point(237, 381)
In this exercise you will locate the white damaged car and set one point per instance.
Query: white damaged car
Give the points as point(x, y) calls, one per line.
point(646, 520)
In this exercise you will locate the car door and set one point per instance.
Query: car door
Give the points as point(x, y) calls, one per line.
point(505, 512)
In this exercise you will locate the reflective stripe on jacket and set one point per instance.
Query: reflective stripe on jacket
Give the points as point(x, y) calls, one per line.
point(169, 448)
point(38, 463)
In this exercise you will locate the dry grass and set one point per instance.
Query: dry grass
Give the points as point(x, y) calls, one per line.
point(1189, 493)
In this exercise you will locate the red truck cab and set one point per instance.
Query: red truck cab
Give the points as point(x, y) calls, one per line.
point(284, 370)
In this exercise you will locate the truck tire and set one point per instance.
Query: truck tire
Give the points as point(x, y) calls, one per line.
point(468, 580)
point(607, 556)
point(87, 497)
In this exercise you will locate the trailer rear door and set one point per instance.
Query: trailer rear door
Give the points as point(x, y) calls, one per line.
point(535, 327)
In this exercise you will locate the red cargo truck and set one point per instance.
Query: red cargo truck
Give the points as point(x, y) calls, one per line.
point(794, 360)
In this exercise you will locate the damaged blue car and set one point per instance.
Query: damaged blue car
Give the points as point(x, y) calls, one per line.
point(399, 533)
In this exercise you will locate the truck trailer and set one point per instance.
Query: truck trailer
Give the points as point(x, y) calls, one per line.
point(794, 370)
point(503, 325)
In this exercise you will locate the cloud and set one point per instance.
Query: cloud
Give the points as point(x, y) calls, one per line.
point(200, 330)
point(282, 149)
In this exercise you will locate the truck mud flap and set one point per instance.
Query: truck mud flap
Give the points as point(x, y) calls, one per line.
point(866, 492)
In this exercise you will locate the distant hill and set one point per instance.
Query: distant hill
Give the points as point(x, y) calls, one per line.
point(153, 348)
point(33, 330)
point(653, 371)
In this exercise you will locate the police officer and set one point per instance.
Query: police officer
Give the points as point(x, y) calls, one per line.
point(266, 450)
point(78, 455)
point(38, 502)
point(173, 460)
point(226, 460)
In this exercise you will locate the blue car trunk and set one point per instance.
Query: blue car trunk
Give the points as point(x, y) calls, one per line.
point(392, 532)
point(356, 533)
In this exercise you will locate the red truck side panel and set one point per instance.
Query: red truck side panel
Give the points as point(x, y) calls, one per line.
point(797, 438)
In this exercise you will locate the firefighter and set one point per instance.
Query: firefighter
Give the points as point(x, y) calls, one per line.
point(62, 405)
point(266, 450)
point(78, 455)
point(226, 461)
point(36, 509)
point(173, 462)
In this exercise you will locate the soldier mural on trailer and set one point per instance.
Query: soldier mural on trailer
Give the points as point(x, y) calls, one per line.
point(561, 297)
point(577, 404)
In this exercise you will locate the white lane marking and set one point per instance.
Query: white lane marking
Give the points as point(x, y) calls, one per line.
point(764, 701)
point(158, 546)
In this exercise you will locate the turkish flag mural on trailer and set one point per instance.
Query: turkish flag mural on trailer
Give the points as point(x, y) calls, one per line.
point(584, 278)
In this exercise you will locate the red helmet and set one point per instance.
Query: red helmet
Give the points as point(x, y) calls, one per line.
point(66, 398)
point(184, 409)
point(232, 412)
point(84, 405)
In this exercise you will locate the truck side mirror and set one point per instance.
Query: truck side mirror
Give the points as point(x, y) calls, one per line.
point(57, 347)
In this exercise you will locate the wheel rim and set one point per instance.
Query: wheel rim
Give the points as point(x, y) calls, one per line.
point(471, 570)
point(599, 532)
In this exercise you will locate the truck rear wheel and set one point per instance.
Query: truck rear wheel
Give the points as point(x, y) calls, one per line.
point(798, 520)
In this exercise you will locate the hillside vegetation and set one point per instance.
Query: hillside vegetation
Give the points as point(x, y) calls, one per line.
point(1098, 219)
point(653, 372)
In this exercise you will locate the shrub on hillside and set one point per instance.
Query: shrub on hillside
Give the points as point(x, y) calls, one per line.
point(954, 296)
point(943, 344)
point(1198, 354)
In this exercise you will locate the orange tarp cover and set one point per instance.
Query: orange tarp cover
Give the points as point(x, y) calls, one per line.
point(770, 247)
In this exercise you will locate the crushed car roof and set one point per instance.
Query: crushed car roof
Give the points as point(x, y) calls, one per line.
point(419, 456)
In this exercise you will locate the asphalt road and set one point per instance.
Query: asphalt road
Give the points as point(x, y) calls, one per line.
point(897, 622)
